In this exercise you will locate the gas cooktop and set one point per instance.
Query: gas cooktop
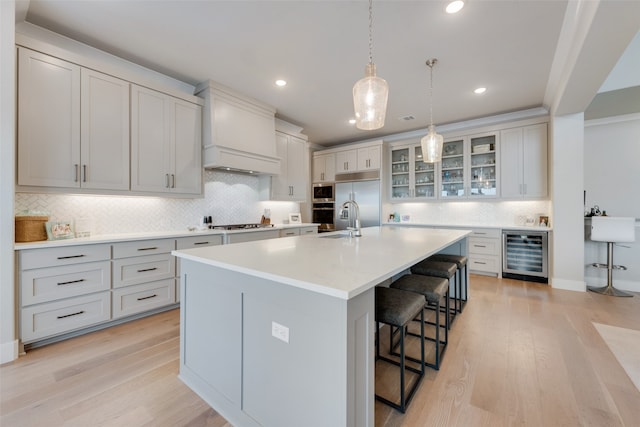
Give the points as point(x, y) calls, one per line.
point(239, 226)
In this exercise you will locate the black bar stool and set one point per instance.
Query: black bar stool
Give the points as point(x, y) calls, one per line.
point(396, 308)
point(461, 262)
point(443, 269)
point(435, 290)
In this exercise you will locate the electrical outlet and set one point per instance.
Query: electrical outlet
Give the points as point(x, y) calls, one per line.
point(280, 331)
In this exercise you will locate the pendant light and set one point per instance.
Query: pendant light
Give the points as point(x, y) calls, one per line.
point(370, 93)
point(432, 142)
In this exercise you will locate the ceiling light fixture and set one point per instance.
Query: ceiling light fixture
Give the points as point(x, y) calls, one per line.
point(370, 93)
point(455, 6)
point(432, 142)
point(480, 90)
point(281, 82)
point(352, 121)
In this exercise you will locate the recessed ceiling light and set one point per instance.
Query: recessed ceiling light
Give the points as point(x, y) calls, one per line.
point(480, 90)
point(352, 121)
point(455, 6)
point(281, 82)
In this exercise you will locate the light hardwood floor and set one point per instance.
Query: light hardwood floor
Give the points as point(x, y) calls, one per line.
point(520, 354)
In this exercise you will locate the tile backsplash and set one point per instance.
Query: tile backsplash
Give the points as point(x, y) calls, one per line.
point(228, 199)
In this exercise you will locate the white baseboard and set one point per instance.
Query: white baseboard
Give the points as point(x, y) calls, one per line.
point(8, 351)
point(569, 285)
point(625, 285)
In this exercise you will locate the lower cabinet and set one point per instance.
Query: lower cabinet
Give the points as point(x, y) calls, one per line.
point(484, 251)
point(138, 298)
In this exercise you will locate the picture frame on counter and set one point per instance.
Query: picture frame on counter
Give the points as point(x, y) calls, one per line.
point(295, 218)
point(59, 230)
point(543, 221)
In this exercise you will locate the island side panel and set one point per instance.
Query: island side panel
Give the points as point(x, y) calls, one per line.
point(322, 376)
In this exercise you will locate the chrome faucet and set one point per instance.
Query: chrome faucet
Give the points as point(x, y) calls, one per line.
point(344, 214)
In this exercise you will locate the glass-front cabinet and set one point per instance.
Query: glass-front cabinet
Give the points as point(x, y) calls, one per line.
point(411, 178)
point(469, 167)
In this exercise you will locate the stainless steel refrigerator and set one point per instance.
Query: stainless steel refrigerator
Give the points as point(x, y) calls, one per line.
point(366, 194)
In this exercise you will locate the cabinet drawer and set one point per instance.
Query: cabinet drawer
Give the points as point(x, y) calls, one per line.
point(199, 241)
point(484, 246)
point(139, 298)
point(487, 264)
point(288, 232)
point(142, 247)
point(252, 236)
point(492, 233)
point(131, 271)
point(63, 255)
point(54, 318)
point(308, 230)
point(53, 283)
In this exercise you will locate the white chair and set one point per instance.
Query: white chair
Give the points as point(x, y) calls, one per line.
point(612, 230)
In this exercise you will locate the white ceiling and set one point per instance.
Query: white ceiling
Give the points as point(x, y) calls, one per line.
point(321, 49)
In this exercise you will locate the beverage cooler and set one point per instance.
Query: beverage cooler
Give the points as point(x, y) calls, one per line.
point(525, 255)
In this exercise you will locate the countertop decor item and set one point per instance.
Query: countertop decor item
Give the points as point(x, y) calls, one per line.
point(295, 218)
point(31, 228)
point(57, 230)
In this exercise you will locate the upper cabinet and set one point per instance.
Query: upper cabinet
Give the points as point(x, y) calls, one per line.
point(324, 167)
point(293, 181)
point(410, 176)
point(165, 143)
point(523, 162)
point(73, 125)
point(358, 160)
point(468, 167)
point(80, 129)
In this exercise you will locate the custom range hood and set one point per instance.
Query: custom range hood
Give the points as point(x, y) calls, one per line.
point(238, 132)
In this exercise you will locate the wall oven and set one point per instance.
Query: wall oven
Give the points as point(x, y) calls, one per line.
point(323, 192)
point(323, 214)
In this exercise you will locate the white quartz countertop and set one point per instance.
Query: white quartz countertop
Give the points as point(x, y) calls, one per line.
point(339, 267)
point(124, 237)
point(474, 226)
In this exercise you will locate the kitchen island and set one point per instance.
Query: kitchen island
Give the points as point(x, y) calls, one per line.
point(281, 332)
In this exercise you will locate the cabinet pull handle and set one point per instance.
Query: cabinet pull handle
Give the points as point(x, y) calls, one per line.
point(84, 173)
point(173, 181)
point(479, 246)
point(70, 282)
point(321, 176)
point(480, 262)
point(477, 232)
point(201, 243)
point(147, 269)
point(151, 248)
point(525, 188)
point(72, 314)
point(150, 296)
point(70, 256)
point(75, 173)
point(166, 180)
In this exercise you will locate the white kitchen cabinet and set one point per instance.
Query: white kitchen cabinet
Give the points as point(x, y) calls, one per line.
point(523, 162)
point(73, 125)
point(485, 251)
point(293, 181)
point(165, 143)
point(469, 167)
point(143, 297)
point(411, 178)
point(194, 242)
point(63, 289)
point(48, 121)
point(360, 159)
point(324, 167)
point(346, 161)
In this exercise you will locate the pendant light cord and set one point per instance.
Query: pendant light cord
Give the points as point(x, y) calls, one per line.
point(430, 64)
point(370, 31)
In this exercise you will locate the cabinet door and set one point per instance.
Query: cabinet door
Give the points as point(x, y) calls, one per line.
point(453, 177)
point(280, 189)
point(400, 174)
point(482, 166)
point(346, 161)
point(534, 161)
point(424, 176)
point(48, 121)
point(187, 148)
point(324, 168)
point(297, 168)
point(368, 158)
point(511, 163)
point(150, 141)
point(104, 148)
point(318, 168)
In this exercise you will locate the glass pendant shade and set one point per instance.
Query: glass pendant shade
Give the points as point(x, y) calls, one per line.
point(431, 146)
point(370, 100)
